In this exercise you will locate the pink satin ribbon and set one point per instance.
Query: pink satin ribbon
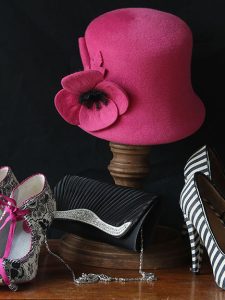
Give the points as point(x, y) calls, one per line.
point(9, 206)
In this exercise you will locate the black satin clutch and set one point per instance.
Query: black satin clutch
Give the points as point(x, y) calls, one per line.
point(104, 212)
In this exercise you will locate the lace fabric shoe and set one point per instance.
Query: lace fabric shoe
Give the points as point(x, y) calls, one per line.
point(8, 181)
point(28, 213)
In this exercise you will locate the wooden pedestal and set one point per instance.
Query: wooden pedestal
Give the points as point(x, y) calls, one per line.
point(130, 164)
point(128, 167)
point(167, 251)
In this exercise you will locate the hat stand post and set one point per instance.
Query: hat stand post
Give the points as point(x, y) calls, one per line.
point(128, 167)
point(130, 164)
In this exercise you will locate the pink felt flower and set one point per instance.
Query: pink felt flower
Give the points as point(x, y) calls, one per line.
point(90, 101)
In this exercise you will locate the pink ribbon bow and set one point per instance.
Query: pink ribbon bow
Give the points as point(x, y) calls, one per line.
point(8, 205)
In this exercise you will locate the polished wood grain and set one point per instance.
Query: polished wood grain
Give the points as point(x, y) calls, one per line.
point(54, 282)
point(129, 165)
point(76, 249)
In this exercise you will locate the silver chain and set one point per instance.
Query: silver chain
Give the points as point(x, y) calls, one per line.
point(59, 258)
point(92, 278)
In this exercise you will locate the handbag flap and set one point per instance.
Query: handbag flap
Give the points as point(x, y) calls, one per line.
point(112, 209)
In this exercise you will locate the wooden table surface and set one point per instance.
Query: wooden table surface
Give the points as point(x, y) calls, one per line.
point(55, 282)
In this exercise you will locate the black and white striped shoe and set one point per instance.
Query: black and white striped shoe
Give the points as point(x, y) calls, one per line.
point(206, 161)
point(205, 225)
point(198, 162)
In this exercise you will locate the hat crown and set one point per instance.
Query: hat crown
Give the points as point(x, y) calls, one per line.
point(140, 43)
point(142, 26)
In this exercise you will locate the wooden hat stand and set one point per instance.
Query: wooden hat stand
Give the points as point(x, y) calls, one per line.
point(130, 164)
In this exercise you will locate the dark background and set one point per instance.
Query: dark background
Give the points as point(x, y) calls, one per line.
point(38, 46)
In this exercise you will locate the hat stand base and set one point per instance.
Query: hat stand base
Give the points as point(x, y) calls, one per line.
point(128, 168)
point(167, 251)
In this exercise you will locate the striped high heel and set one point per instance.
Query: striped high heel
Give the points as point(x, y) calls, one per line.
point(198, 162)
point(197, 247)
point(204, 210)
point(206, 161)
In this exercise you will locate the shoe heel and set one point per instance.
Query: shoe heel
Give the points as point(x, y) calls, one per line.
point(196, 246)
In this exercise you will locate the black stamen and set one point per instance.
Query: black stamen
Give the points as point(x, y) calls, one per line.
point(98, 105)
point(93, 97)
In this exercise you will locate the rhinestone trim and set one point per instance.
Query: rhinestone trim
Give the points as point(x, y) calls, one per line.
point(88, 217)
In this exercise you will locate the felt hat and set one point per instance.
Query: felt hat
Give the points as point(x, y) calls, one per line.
point(136, 84)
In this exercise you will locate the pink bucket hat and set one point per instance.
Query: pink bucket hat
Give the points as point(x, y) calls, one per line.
point(136, 84)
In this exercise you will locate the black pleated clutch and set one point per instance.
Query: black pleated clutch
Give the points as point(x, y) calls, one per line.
point(104, 212)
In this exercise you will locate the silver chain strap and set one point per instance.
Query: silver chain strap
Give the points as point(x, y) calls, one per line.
point(92, 278)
